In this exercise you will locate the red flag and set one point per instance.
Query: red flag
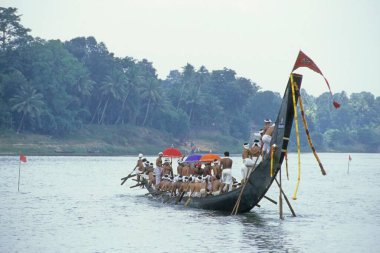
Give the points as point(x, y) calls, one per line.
point(22, 158)
point(304, 61)
point(349, 158)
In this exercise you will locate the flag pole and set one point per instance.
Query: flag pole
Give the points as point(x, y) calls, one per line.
point(348, 166)
point(19, 170)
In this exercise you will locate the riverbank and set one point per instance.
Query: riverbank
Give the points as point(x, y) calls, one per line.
point(94, 140)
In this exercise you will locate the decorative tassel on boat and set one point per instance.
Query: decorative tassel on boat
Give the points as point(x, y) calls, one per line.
point(297, 135)
point(308, 133)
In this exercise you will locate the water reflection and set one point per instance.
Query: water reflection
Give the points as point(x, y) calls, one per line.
point(256, 231)
point(76, 204)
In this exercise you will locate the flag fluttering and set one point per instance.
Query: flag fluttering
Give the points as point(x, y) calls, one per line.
point(22, 158)
point(349, 158)
point(305, 61)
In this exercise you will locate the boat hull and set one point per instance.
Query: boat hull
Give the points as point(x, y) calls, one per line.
point(259, 180)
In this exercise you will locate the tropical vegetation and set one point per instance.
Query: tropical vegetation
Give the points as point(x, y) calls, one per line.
point(54, 88)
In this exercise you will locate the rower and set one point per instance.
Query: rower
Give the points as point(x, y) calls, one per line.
point(246, 156)
point(180, 167)
point(186, 170)
point(216, 185)
point(139, 168)
point(158, 168)
point(167, 168)
point(226, 165)
point(216, 169)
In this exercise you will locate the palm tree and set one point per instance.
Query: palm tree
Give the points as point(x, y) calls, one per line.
point(152, 93)
point(113, 87)
point(201, 78)
point(27, 102)
point(187, 78)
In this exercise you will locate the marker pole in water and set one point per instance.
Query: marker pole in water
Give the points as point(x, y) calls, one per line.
point(19, 173)
point(348, 164)
point(22, 158)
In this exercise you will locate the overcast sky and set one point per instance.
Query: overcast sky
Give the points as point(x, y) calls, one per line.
point(260, 40)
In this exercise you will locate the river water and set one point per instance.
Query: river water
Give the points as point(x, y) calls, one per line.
point(76, 204)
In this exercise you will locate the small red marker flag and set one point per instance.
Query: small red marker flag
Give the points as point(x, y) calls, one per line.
point(305, 61)
point(22, 158)
point(349, 158)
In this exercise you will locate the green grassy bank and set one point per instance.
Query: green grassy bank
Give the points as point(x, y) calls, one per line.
point(112, 141)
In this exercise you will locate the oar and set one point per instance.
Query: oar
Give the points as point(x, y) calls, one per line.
point(189, 199)
point(139, 184)
point(129, 176)
point(180, 197)
point(237, 203)
point(167, 200)
point(271, 200)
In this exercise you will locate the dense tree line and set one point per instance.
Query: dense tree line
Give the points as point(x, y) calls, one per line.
point(54, 87)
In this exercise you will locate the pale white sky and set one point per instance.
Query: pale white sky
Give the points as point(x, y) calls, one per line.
point(260, 40)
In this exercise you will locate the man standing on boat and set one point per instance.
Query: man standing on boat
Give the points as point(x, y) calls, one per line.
point(226, 165)
point(139, 168)
point(247, 158)
point(158, 168)
point(267, 137)
point(256, 151)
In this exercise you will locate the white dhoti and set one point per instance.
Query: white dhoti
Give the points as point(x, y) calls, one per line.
point(216, 193)
point(157, 171)
point(244, 169)
point(266, 140)
point(227, 178)
point(244, 172)
point(248, 163)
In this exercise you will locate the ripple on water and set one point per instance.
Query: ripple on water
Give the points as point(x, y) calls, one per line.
point(76, 204)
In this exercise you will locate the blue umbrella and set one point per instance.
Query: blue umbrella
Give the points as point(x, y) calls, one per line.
point(193, 158)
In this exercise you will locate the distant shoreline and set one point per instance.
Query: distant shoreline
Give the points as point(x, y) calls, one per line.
point(105, 141)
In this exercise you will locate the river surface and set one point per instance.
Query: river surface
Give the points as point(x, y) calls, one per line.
point(76, 204)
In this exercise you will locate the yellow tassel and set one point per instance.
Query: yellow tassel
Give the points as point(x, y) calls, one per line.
point(297, 135)
point(308, 135)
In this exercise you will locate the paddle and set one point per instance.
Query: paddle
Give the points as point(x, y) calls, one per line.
point(237, 204)
point(139, 184)
point(167, 199)
point(127, 177)
point(189, 199)
point(180, 197)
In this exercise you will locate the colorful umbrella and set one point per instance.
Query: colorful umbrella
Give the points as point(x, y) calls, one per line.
point(193, 158)
point(172, 152)
point(209, 158)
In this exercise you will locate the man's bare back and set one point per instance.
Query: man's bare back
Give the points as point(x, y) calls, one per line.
point(226, 163)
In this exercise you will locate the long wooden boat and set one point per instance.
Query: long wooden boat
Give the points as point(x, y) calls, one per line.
point(259, 180)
